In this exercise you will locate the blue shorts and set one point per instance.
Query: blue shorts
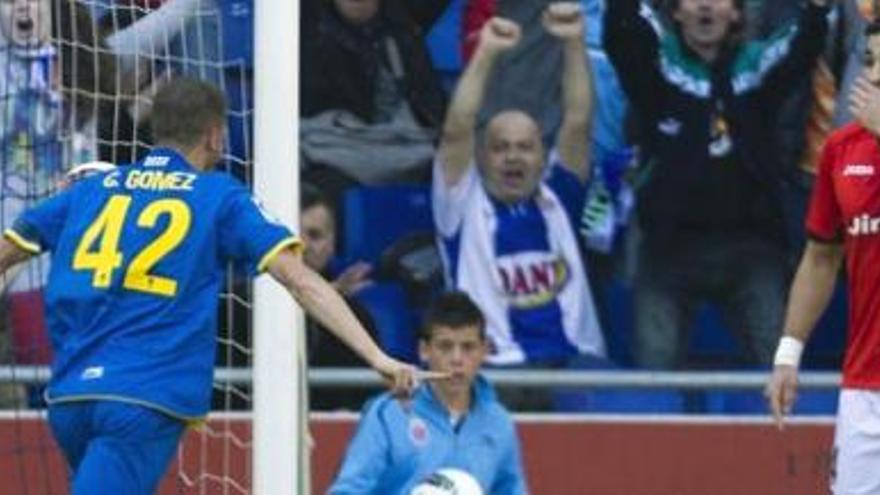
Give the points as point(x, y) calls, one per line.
point(114, 447)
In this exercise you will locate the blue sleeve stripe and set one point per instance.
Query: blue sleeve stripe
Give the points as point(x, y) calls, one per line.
point(289, 242)
point(17, 239)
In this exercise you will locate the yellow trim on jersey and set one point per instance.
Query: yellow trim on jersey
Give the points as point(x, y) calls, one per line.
point(21, 242)
point(289, 242)
point(189, 420)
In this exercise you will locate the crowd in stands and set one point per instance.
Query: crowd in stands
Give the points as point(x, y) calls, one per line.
point(615, 183)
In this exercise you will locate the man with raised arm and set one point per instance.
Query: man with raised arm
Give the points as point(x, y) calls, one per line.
point(505, 208)
point(138, 259)
point(705, 103)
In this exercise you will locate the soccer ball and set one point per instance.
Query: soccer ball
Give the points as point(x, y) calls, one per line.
point(448, 481)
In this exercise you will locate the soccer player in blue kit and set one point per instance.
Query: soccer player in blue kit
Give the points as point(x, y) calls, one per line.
point(138, 258)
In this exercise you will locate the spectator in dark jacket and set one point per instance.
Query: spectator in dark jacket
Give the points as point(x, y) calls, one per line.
point(368, 87)
point(710, 209)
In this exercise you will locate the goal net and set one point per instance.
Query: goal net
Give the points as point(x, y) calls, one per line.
point(76, 81)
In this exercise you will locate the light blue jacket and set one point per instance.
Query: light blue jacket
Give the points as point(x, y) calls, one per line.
point(393, 449)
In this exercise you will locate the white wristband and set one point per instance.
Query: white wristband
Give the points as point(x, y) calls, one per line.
point(789, 352)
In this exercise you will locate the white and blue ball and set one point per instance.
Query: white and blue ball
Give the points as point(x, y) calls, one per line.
point(448, 481)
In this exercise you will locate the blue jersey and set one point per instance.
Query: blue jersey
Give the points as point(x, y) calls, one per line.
point(521, 264)
point(138, 258)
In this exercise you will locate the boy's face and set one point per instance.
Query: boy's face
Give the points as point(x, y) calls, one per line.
point(457, 351)
point(26, 22)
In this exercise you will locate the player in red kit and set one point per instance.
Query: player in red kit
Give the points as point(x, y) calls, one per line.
point(843, 222)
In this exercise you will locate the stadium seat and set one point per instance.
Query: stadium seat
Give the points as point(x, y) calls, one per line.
point(826, 346)
point(444, 44)
point(239, 93)
point(711, 340)
point(816, 402)
point(735, 402)
point(615, 400)
point(809, 402)
point(620, 401)
point(619, 320)
point(387, 305)
point(712, 343)
point(377, 216)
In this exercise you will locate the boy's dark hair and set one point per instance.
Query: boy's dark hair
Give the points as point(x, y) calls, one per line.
point(872, 28)
point(184, 109)
point(453, 310)
point(310, 195)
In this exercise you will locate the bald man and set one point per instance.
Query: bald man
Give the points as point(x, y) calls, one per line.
point(505, 207)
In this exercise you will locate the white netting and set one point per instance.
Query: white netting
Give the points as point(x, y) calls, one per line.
point(76, 78)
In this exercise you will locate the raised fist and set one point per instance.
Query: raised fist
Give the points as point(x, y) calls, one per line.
point(564, 20)
point(499, 34)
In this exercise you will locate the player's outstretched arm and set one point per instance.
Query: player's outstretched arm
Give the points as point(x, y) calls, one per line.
point(323, 303)
point(810, 293)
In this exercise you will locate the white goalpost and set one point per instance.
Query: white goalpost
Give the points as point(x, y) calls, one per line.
point(280, 415)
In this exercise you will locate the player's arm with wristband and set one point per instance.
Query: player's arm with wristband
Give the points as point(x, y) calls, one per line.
point(322, 302)
point(810, 293)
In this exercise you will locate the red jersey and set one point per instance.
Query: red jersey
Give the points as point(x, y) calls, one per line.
point(845, 206)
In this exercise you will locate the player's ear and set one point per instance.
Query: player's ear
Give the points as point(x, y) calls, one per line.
point(216, 133)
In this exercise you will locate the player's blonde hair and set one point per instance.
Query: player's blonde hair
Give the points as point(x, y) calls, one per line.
point(184, 109)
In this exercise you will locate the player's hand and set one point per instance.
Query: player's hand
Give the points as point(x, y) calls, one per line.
point(403, 378)
point(499, 34)
point(781, 391)
point(353, 279)
point(864, 103)
point(564, 20)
